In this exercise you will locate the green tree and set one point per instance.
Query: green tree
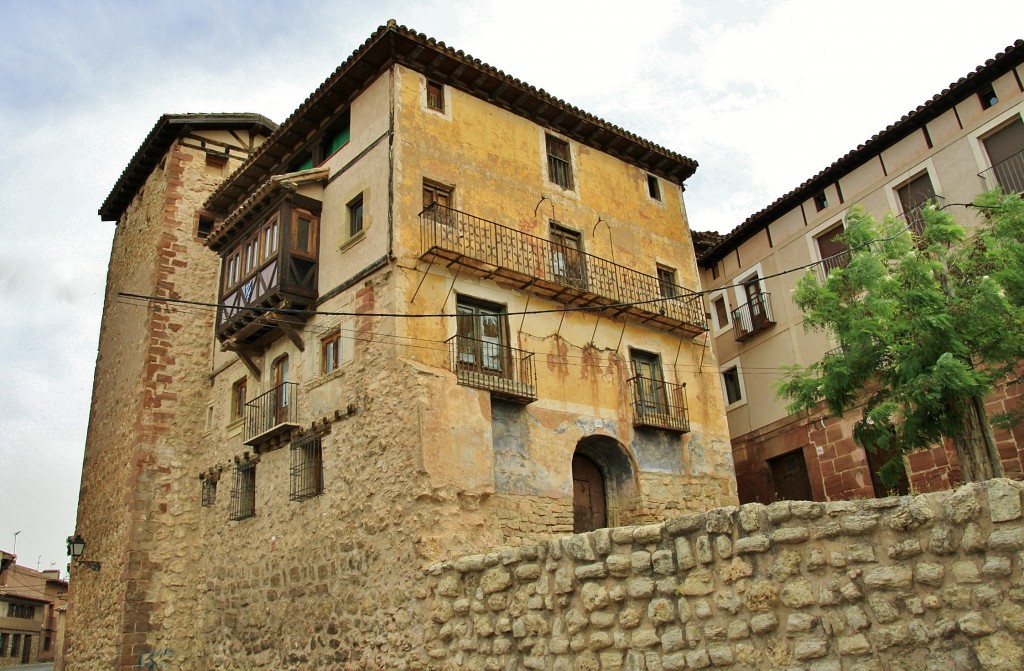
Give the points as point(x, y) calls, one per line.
point(926, 328)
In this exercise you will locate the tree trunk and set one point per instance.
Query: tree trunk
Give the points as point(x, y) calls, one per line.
point(976, 446)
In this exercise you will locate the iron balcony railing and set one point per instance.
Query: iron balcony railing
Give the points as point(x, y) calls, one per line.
point(914, 216)
point(506, 372)
point(556, 271)
point(1008, 174)
point(830, 263)
point(271, 413)
point(659, 404)
point(755, 315)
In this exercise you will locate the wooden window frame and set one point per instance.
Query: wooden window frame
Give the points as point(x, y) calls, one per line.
point(356, 216)
point(239, 396)
point(667, 283)
point(314, 229)
point(734, 372)
point(468, 326)
point(330, 345)
point(722, 317)
point(820, 201)
point(559, 167)
point(435, 96)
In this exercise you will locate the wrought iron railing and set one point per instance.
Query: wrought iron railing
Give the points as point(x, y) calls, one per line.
point(659, 404)
point(830, 263)
point(271, 413)
point(560, 272)
point(1008, 174)
point(504, 371)
point(753, 316)
point(914, 216)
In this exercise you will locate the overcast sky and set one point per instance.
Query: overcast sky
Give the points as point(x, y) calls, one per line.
point(762, 94)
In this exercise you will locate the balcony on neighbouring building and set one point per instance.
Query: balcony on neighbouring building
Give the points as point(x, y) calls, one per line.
point(659, 404)
point(271, 414)
point(1008, 175)
point(508, 373)
point(753, 316)
point(914, 217)
point(555, 271)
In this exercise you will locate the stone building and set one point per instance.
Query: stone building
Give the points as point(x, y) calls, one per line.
point(436, 311)
point(28, 612)
point(967, 139)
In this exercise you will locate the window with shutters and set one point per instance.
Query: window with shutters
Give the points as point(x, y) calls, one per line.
point(559, 162)
point(913, 196)
point(831, 250)
point(1005, 150)
point(435, 96)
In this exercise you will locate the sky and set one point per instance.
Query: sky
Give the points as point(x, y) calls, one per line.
point(763, 95)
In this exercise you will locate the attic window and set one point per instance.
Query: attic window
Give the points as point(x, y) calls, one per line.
point(988, 97)
point(820, 201)
point(204, 227)
point(653, 188)
point(435, 96)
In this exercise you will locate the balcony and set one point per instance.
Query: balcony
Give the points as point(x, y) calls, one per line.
point(1008, 175)
point(271, 415)
point(659, 404)
point(914, 217)
point(508, 373)
point(555, 271)
point(834, 262)
point(754, 316)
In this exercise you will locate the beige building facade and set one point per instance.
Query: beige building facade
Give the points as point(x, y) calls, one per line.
point(967, 139)
point(29, 600)
point(436, 312)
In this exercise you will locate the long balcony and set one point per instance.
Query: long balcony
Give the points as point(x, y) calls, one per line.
point(659, 404)
point(271, 414)
point(1008, 174)
point(555, 271)
point(753, 316)
point(506, 372)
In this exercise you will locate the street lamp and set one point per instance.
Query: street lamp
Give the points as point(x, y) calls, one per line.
point(76, 546)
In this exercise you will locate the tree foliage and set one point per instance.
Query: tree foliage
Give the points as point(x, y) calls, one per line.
point(926, 325)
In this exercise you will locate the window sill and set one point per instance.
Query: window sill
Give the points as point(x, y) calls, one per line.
point(355, 239)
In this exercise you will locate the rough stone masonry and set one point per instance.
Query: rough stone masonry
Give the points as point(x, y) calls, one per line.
point(919, 582)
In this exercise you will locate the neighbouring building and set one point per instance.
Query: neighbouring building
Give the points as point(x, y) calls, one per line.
point(967, 139)
point(29, 600)
point(437, 311)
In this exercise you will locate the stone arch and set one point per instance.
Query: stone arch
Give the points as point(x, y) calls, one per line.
point(618, 480)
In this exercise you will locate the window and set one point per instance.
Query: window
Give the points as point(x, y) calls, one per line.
point(307, 468)
point(731, 383)
point(481, 328)
point(559, 162)
point(436, 193)
point(720, 312)
point(830, 250)
point(303, 233)
point(21, 611)
point(270, 236)
point(243, 494)
point(715, 272)
point(336, 137)
point(650, 383)
point(1005, 149)
point(568, 264)
point(667, 282)
point(435, 96)
point(46, 644)
point(355, 216)
point(912, 196)
point(279, 375)
point(15, 645)
point(820, 201)
point(3, 643)
point(209, 495)
point(238, 397)
point(987, 97)
point(330, 353)
point(653, 188)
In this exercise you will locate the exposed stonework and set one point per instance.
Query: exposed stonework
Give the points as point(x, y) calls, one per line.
point(894, 583)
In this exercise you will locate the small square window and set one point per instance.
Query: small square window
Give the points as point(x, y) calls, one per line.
point(243, 494)
point(820, 201)
point(667, 282)
point(209, 491)
point(653, 187)
point(330, 353)
point(435, 96)
point(721, 312)
point(731, 382)
point(355, 216)
point(988, 97)
point(559, 162)
point(238, 395)
point(715, 272)
point(307, 468)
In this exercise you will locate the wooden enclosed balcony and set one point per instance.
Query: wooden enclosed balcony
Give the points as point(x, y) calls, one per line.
point(508, 373)
point(659, 404)
point(555, 271)
point(271, 414)
point(753, 316)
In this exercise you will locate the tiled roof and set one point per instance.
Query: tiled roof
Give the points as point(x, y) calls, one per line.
point(393, 43)
point(968, 85)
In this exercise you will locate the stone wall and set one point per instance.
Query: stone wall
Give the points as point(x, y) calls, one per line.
point(919, 582)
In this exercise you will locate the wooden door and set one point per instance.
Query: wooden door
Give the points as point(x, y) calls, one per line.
point(588, 495)
point(26, 649)
point(650, 384)
point(877, 459)
point(752, 287)
point(567, 260)
point(281, 400)
point(789, 476)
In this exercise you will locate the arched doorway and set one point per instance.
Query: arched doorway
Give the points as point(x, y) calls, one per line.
point(604, 485)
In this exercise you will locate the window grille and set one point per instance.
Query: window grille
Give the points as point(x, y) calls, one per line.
point(307, 469)
point(559, 163)
point(209, 491)
point(243, 494)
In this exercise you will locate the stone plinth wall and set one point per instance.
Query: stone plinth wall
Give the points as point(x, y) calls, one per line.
point(920, 582)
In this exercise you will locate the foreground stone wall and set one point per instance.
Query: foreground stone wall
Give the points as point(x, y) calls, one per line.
point(921, 582)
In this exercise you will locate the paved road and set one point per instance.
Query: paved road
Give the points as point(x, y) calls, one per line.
point(48, 666)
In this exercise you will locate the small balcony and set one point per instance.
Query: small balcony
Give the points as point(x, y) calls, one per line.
point(754, 316)
point(555, 271)
point(659, 404)
point(271, 414)
point(1008, 175)
point(508, 373)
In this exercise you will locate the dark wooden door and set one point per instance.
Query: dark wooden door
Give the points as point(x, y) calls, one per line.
point(588, 495)
point(752, 288)
point(26, 649)
point(877, 459)
point(281, 399)
point(789, 476)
